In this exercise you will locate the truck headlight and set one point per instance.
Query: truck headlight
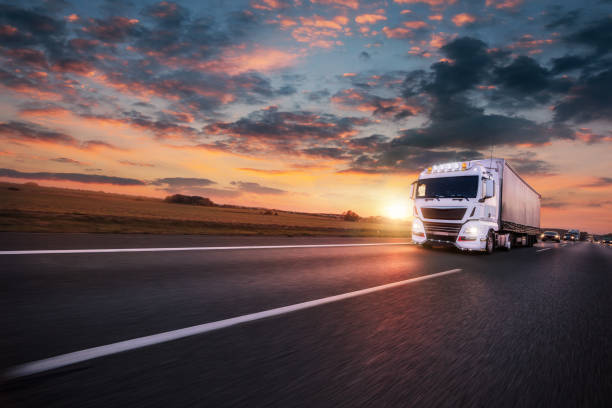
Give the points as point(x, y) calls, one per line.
point(417, 228)
point(471, 230)
point(470, 233)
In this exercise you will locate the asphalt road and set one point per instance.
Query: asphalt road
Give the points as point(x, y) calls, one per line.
point(532, 327)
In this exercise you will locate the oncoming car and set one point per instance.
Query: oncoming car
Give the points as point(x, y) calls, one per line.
point(550, 236)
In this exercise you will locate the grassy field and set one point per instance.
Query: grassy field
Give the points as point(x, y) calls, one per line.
point(27, 207)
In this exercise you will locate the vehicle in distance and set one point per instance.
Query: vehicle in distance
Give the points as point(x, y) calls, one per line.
point(475, 205)
point(571, 235)
point(550, 236)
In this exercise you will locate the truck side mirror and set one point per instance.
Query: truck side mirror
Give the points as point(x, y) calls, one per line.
point(412, 190)
point(489, 188)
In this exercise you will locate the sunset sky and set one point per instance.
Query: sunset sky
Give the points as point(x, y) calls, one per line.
point(309, 105)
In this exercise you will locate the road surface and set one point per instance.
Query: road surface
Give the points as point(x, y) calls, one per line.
point(532, 327)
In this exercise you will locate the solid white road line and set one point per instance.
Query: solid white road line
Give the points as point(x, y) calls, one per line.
point(545, 249)
point(51, 363)
point(212, 248)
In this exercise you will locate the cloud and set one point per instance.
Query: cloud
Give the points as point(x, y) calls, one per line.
point(353, 4)
point(30, 132)
point(67, 161)
point(166, 13)
point(601, 182)
point(369, 18)
point(180, 182)
point(249, 187)
point(549, 202)
point(76, 177)
point(569, 19)
point(135, 164)
point(455, 123)
point(359, 100)
point(463, 19)
point(528, 163)
point(393, 159)
point(589, 100)
point(276, 130)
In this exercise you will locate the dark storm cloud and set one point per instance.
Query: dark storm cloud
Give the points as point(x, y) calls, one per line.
point(456, 123)
point(589, 100)
point(469, 67)
point(565, 20)
point(76, 177)
point(249, 187)
point(292, 126)
point(31, 132)
point(597, 35)
point(178, 182)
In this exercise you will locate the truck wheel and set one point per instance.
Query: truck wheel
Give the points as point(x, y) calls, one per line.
point(490, 246)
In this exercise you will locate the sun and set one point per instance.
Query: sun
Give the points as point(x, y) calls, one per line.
point(397, 210)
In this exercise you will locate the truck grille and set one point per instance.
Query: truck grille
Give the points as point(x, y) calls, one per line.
point(442, 231)
point(444, 213)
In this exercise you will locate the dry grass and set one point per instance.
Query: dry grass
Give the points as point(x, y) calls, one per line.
point(48, 209)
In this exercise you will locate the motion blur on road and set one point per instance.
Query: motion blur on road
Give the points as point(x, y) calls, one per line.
point(527, 328)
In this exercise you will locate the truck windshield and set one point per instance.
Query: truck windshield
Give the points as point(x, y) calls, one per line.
point(462, 186)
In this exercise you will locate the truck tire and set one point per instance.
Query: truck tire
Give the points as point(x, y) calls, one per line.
point(490, 245)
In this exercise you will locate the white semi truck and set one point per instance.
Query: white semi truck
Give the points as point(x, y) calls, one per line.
point(475, 205)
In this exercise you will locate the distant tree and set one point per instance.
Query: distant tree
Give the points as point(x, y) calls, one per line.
point(350, 216)
point(190, 200)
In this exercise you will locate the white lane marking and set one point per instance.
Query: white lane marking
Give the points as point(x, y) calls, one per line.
point(212, 248)
point(545, 249)
point(63, 360)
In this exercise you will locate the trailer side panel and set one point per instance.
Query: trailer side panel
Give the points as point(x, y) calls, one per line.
point(520, 203)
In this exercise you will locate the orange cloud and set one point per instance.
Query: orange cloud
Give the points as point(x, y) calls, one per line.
point(463, 19)
point(432, 3)
point(72, 18)
point(8, 30)
point(269, 4)
point(503, 4)
point(398, 32)
point(320, 22)
point(354, 4)
point(528, 41)
point(436, 17)
point(369, 18)
point(415, 25)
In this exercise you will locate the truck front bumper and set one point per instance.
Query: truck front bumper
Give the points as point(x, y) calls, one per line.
point(478, 244)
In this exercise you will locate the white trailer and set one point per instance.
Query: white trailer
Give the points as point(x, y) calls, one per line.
point(475, 205)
